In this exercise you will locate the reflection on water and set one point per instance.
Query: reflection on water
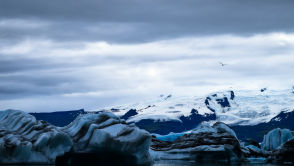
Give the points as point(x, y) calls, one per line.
point(174, 163)
point(190, 163)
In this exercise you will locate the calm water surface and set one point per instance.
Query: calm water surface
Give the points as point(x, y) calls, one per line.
point(189, 163)
point(183, 163)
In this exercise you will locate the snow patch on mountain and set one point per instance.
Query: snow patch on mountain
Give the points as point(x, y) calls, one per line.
point(231, 107)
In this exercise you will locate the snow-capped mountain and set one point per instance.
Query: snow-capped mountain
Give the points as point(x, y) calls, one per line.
point(250, 113)
point(230, 107)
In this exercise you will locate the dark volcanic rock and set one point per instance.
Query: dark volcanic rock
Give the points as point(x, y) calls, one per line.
point(130, 113)
point(232, 95)
point(263, 89)
point(167, 97)
point(222, 100)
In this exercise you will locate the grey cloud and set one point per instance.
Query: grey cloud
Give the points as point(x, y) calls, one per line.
point(40, 83)
point(21, 64)
point(46, 76)
point(28, 77)
point(141, 21)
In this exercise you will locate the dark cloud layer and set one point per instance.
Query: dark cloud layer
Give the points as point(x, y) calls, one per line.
point(141, 21)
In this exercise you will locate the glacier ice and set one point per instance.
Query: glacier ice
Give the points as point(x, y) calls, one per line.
point(23, 139)
point(275, 138)
point(202, 128)
point(205, 143)
point(93, 132)
point(169, 137)
point(239, 107)
point(254, 149)
point(223, 128)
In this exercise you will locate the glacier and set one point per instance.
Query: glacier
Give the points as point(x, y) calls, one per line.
point(244, 111)
point(242, 107)
point(23, 139)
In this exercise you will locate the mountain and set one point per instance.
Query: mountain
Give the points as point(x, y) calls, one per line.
point(230, 107)
point(243, 110)
point(284, 119)
point(250, 113)
point(60, 118)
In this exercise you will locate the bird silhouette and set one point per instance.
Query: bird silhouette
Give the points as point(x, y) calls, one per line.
point(222, 64)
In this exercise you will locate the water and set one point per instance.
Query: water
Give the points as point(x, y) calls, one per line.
point(191, 163)
point(175, 163)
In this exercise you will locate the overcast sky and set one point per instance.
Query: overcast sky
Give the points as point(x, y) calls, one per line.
point(70, 54)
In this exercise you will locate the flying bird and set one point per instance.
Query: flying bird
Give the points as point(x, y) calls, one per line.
point(222, 64)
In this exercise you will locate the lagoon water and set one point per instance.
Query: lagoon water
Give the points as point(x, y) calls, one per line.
point(178, 163)
point(184, 163)
point(190, 163)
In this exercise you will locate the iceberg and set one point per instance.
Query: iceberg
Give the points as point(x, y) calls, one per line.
point(275, 138)
point(23, 139)
point(93, 133)
point(205, 143)
point(170, 137)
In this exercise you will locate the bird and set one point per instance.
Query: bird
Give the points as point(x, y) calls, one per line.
point(222, 64)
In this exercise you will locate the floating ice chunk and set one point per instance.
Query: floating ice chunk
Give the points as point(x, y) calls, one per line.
point(104, 131)
point(170, 137)
point(23, 139)
point(223, 128)
point(204, 128)
point(275, 138)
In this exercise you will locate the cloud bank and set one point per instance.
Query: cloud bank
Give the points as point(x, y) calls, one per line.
point(61, 55)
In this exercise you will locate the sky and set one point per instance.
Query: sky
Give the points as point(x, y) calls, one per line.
point(68, 54)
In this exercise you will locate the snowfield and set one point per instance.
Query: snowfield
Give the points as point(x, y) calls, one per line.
point(230, 107)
